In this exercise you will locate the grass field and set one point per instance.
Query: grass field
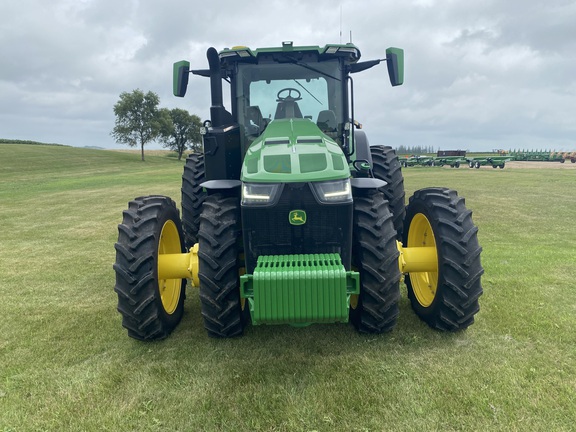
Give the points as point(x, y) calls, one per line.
point(67, 364)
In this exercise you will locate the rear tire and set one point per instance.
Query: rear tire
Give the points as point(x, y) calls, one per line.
point(192, 197)
point(387, 167)
point(448, 299)
point(219, 238)
point(375, 257)
point(150, 308)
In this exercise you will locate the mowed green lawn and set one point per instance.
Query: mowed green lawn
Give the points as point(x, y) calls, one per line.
point(66, 363)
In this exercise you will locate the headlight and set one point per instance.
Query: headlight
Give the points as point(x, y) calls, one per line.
point(335, 191)
point(260, 193)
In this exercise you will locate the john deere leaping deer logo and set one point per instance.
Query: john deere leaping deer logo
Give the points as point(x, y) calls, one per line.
point(297, 217)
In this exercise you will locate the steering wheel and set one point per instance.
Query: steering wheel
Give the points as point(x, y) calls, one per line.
point(289, 95)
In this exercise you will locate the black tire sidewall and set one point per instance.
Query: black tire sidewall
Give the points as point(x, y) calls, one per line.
point(382, 312)
point(192, 197)
point(220, 282)
point(137, 284)
point(459, 284)
point(391, 172)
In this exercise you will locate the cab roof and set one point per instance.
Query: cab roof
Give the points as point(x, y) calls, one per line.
point(243, 54)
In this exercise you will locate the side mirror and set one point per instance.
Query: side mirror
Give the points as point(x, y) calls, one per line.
point(181, 72)
point(395, 63)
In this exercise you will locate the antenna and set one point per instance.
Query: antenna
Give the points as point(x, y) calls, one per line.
point(340, 24)
point(350, 36)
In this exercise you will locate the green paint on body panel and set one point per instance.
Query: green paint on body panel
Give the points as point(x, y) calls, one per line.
point(294, 150)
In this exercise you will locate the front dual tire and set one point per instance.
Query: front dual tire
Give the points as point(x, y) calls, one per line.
point(375, 257)
point(150, 307)
point(446, 298)
point(219, 254)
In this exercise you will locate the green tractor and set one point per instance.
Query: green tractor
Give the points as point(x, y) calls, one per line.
point(289, 216)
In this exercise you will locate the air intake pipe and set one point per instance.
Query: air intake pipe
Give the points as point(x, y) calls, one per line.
point(218, 113)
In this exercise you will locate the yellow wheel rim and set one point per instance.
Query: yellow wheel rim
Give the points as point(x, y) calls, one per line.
point(424, 284)
point(169, 288)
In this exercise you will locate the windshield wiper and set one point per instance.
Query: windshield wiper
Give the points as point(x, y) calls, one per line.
point(306, 66)
point(308, 91)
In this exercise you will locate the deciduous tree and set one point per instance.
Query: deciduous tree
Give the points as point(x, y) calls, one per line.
point(137, 118)
point(180, 130)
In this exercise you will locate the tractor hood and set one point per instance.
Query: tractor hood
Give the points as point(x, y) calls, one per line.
point(294, 150)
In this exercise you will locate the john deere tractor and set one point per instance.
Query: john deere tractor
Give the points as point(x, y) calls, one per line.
point(289, 216)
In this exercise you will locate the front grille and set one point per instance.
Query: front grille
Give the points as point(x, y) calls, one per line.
point(267, 230)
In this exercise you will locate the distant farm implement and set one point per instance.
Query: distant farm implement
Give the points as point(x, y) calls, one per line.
point(431, 161)
point(455, 158)
point(543, 155)
point(418, 160)
point(452, 161)
point(493, 161)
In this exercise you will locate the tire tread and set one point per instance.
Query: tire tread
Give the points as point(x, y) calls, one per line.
point(136, 257)
point(460, 269)
point(376, 258)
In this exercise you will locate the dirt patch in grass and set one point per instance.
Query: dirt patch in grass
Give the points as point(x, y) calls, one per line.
point(539, 165)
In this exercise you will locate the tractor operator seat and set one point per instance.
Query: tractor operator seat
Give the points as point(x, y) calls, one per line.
point(327, 123)
point(288, 108)
point(255, 123)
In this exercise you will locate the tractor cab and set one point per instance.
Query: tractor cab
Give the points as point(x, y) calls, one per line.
point(293, 86)
point(299, 85)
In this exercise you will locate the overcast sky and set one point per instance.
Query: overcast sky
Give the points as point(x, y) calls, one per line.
point(479, 75)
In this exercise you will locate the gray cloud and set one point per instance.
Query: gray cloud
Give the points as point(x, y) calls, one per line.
point(479, 75)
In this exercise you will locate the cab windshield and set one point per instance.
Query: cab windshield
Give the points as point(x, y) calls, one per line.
point(265, 92)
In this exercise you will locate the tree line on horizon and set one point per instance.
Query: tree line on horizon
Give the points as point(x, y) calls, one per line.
point(414, 150)
point(139, 121)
